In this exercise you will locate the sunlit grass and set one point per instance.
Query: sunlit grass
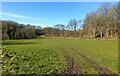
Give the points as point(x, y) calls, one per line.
point(104, 52)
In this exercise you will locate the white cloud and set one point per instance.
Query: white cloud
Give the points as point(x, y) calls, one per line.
point(23, 17)
point(15, 15)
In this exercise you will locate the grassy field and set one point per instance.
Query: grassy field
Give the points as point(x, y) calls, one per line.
point(60, 55)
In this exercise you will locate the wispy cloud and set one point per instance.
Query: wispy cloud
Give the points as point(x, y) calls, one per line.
point(15, 15)
point(23, 17)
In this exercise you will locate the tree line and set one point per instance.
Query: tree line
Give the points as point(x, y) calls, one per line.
point(14, 30)
point(102, 23)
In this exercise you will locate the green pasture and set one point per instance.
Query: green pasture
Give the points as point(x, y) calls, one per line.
point(47, 55)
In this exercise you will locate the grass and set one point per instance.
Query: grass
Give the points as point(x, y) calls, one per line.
point(47, 55)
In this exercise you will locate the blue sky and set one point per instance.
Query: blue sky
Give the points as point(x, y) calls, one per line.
point(47, 13)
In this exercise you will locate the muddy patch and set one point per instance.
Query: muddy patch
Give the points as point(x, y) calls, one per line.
point(73, 66)
point(98, 68)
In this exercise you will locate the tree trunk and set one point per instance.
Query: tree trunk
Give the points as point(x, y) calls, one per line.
point(111, 32)
point(93, 32)
point(107, 31)
point(116, 35)
point(107, 34)
point(101, 32)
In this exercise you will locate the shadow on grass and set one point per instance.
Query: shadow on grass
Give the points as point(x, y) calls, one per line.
point(17, 43)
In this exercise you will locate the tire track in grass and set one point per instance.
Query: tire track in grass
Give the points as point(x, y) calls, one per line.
point(100, 69)
point(73, 66)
